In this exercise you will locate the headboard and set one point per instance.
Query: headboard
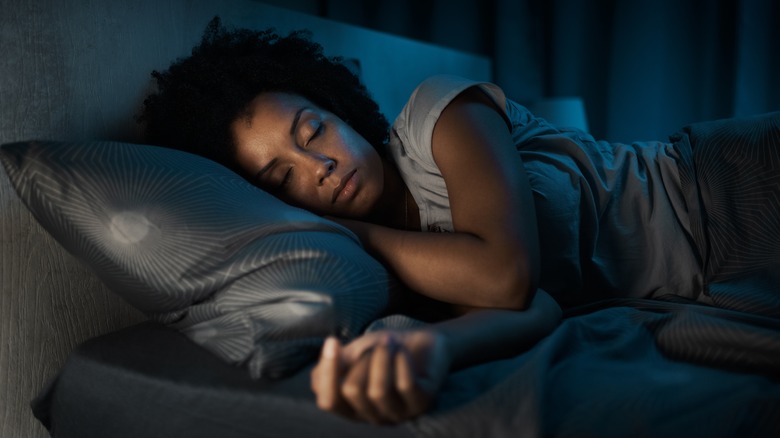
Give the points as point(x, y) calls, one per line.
point(79, 71)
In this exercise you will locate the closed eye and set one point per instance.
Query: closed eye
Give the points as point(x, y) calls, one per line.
point(314, 135)
point(286, 179)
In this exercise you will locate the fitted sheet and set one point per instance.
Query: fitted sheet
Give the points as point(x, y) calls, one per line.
point(614, 368)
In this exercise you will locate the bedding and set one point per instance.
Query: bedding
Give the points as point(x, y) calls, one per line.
point(193, 245)
point(667, 366)
point(222, 268)
point(619, 368)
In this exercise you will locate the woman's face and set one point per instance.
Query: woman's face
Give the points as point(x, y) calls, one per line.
point(307, 156)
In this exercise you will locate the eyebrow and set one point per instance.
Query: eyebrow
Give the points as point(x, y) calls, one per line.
point(264, 170)
point(297, 117)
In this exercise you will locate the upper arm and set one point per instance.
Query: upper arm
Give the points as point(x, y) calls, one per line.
point(489, 193)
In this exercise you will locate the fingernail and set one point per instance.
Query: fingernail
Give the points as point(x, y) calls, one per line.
point(329, 349)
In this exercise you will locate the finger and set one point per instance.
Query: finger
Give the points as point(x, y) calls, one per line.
point(414, 399)
point(353, 389)
point(326, 377)
point(381, 386)
point(359, 346)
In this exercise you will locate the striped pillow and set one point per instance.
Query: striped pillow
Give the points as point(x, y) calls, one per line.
point(192, 244)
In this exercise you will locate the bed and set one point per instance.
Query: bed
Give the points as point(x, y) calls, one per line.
point(131, 307)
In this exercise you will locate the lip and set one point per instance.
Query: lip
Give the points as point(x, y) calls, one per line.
point(346, 187)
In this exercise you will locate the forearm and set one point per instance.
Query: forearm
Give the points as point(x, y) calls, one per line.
point(457, 268)
point(492, 334)
point(394, 375)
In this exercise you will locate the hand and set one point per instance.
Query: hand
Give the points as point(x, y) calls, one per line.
point(381, 377)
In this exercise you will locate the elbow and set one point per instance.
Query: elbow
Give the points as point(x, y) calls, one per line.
point(513, 287)
point(518, 278)
point(518, 296)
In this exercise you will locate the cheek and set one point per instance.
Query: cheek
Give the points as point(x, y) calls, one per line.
point(303, 198)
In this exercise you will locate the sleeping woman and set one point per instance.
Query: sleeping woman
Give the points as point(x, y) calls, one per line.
point(468, 199)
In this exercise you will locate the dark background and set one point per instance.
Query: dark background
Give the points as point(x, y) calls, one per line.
point(644, 68)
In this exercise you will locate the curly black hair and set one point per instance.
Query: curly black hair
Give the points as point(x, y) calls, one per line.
point(199, 96)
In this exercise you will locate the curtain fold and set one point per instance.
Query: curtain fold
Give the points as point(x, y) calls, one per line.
point(644, 68)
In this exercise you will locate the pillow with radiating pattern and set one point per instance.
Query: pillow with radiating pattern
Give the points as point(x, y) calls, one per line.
point(193, 245)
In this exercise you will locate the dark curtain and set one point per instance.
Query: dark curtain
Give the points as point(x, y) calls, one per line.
point(644, 68)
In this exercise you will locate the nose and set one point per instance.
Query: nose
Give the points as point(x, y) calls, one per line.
point(323, 168)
